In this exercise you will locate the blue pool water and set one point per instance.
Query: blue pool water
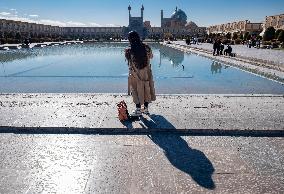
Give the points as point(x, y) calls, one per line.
point(101, 68)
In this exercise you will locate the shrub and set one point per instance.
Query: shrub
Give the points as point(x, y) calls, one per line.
point(259, 37)
point(228, 35)
point(226, 41)
point(266, 43)
point(11, 41)
point(235, 36)
point(249, 37)
point(2, 41)
point(246, 36)
point(275, 45)
point(277, 33)
point(238, 41)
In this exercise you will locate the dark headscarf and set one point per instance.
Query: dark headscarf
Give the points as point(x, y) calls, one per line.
point(138, 50)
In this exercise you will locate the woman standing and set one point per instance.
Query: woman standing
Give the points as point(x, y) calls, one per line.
point(140, 80)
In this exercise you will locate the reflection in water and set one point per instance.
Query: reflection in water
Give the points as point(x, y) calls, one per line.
point(79, 49)
point(216, 67)
point(175, 56)
point(9, 56)
point(3, 68)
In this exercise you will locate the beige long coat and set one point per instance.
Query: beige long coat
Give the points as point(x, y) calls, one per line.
point(141, 81)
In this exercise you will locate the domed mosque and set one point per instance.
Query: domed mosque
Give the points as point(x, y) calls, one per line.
point(179, 16)
point(177, 20)
point(176, 25)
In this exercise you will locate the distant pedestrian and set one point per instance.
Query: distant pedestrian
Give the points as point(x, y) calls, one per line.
point(187, 41)
point(196, 40)
point(257, 43)
point(218, 47)
point(221, 48)
point(249, 43)
point(228, 51)
point(215, 45)
point(140, 73)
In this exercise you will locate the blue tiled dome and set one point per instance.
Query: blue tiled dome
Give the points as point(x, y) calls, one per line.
point(179, 15)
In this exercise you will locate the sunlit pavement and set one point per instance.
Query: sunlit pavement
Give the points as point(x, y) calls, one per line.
point(98, 113)
point(275, 56)
point(153, 163)
point(186, 146)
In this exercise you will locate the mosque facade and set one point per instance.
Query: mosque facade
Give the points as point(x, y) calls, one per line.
point(174, 26)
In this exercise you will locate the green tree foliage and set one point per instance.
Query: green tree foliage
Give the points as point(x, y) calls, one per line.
point(241, 36)
point(281, 36)
point(269, 34)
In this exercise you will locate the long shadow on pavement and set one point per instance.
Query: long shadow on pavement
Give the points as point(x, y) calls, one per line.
point(191, 161)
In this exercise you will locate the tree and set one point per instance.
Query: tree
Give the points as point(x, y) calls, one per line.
point(241, 36)
point(228, 35)
point(277, 33)
point(18, 37)
point(259, 37)
point(235, 36)
point(269, 34)
point(246, 36)
point(281, 36)
point(168, 36)
point(249, 37)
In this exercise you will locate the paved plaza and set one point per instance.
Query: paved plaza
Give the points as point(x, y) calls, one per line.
point(216, 126)
point(87, 113)
point(152, 163)
point(74, 143)
point(267, 55)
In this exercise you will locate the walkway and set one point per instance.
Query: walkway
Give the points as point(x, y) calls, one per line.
point(91, 113)
point(266, 55)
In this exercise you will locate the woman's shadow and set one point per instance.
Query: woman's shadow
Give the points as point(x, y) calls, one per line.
point(189, 160)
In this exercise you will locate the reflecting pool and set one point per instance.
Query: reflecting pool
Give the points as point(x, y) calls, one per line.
point(101, 68)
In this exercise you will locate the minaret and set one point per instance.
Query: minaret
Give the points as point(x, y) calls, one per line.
point(129, 9)
point(162, 17)
point(142, 10)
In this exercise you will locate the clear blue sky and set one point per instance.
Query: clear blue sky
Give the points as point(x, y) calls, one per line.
point(114, 12)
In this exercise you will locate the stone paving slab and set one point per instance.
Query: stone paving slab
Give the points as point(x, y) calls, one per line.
point(154, 163)
point(92, 113)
